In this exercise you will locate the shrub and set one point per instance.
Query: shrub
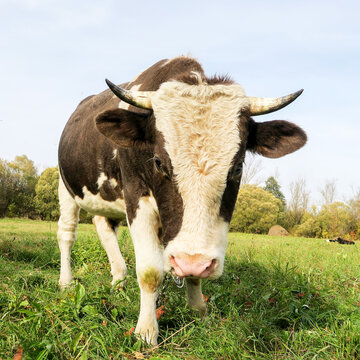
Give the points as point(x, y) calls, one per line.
point(256, 210)
point(310, 226)
point(336, 219)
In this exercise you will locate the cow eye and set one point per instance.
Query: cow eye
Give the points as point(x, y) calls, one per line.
point(238, 169)
point(161, 168)
point(158, 164)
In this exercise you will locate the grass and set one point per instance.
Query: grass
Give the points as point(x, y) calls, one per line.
point(279, 298)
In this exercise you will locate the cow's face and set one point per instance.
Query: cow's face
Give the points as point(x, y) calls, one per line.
point(198, 135)
point(198, 146)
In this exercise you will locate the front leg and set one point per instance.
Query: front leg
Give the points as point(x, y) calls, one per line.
point(149, 266)
point(194, 295)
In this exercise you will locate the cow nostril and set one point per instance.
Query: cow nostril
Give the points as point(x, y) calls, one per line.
point(192, 266)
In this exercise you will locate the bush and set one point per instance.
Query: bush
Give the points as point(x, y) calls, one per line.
point(336, 219)
point(256, 210)
point(47, 199)
point(332, 220)
point(310, 226)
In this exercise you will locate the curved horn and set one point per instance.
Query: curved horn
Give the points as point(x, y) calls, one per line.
point(140, 99)
point(261, 106)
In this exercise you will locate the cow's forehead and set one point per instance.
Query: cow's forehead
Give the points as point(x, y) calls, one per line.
point(200, 126)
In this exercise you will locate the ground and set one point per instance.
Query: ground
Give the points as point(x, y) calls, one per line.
point(279, 298)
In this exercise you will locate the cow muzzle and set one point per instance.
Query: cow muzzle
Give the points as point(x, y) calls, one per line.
point(196, 265)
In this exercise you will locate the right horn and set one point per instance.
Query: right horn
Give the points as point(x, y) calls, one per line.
point(261, 106)
point(140, 99)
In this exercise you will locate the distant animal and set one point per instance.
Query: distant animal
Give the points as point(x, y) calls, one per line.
point(341, 241)
point(167, 149)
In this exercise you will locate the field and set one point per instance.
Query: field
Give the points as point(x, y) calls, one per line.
point(279, 298)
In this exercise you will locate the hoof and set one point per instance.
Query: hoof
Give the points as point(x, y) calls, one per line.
point(148, 334)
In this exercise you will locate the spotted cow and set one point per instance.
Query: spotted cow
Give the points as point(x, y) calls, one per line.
point(166, 149)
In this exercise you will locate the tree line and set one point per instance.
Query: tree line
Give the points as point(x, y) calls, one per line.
point(25, 193)
point(258, 208)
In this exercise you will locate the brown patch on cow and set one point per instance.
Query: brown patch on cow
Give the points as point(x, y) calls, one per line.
point(113, 223)
point(150, 279)
point(164, 70)
point(220, 79)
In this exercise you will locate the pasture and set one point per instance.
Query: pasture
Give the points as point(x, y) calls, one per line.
point(279, 298)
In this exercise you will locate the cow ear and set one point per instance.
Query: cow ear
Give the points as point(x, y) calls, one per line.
point(124, 128)
point(274, 139)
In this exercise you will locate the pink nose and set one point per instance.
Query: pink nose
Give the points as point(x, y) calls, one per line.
point(192, 265)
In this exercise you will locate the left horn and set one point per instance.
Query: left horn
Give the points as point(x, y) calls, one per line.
point(140, 99)
point(261, 106)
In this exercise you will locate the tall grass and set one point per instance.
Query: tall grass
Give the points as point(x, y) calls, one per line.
point(279, 298)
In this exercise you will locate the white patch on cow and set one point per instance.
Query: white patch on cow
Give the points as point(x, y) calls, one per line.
point(96, 205)
point(115, 153)
point(167, 62)
point(144, 232)
point(177, 58)
point(101, 179)
point(109, 241)
point(66, 234)
point(200, 125)
point(148, 253)
point(147, 326)
point(113, 183)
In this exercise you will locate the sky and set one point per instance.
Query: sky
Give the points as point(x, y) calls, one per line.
point(55, 53)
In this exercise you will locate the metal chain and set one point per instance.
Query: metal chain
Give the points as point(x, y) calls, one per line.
point(178, 282)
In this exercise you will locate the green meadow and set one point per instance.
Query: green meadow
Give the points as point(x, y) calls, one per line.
point(279, 298)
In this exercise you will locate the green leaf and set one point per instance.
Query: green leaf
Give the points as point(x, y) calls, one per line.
point(114, 313)
point(43, 355)
point(90, 310)
point(75, 341)
point(79, 295)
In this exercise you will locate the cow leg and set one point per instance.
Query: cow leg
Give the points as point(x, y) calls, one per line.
point(69, 218)
point(149, 267)
point(194, 295)
point(108, 237)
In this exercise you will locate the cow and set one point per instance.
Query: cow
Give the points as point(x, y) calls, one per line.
point(342, 241)
point(167, 149)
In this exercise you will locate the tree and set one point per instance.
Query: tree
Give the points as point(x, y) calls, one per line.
point(256, 210)
point(17, 187)
point(310, 225)
point(47, 199)
point(272, 186)
point(328, 192)
point(299, 202)
point(27, 172)
point(252, 167)
point(336, 220)
point(354, 207)
point(6, 186)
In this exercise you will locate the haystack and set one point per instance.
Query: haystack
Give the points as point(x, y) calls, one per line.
point(277, 230)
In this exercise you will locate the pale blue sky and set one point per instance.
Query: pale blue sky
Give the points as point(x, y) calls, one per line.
point(55, 53)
